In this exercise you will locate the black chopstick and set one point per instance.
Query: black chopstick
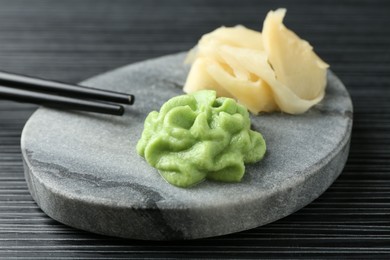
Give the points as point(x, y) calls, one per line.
point(57, 94)
point(18, 81)
point(55, 101)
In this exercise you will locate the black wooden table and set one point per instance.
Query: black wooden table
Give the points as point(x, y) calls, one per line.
point(73, 40)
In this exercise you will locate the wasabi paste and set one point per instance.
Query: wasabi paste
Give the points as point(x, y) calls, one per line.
point(199, 136)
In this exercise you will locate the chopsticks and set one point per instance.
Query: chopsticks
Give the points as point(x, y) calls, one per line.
point(61, 95)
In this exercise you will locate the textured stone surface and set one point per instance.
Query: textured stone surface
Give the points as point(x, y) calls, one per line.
point(83, 170)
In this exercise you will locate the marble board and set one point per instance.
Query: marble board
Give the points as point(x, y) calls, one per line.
point(83, 170)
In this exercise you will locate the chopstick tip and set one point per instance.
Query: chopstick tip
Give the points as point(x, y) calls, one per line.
point(131, 99)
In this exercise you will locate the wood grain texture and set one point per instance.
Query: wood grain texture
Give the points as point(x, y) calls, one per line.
point(73, 40)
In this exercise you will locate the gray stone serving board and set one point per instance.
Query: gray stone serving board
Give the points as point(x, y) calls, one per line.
point(82, 168)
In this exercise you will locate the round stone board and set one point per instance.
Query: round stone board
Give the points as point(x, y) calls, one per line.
point(83, 170)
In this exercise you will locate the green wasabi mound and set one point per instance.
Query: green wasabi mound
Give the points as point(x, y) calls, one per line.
point(199, 136)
